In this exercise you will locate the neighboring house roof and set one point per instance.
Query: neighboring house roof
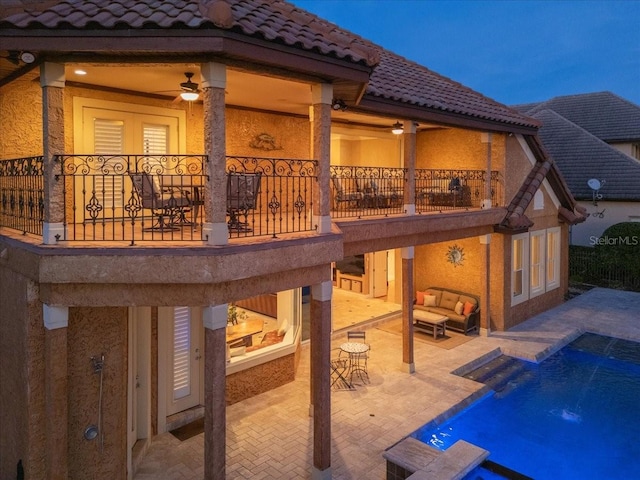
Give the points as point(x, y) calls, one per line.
point(580, 153)
point(603, 114)
point(399, 79)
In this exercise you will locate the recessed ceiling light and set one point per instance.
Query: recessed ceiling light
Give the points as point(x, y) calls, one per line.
point(80, 72)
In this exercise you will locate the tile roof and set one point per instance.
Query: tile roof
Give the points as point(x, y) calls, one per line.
point(544, 168)
point(397, 78)
point(603, 114)
point(274, 20)
point(580, 156)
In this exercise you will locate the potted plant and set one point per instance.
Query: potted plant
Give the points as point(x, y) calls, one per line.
point(233, 315)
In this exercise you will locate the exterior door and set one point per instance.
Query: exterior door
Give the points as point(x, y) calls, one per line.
point(185, 359)
point(113, 129)
point(378, 275)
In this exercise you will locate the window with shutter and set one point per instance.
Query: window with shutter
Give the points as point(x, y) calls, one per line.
point(181, 353)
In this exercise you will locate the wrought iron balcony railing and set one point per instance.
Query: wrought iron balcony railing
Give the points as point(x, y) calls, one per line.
point(22, 194)
point(441, 190)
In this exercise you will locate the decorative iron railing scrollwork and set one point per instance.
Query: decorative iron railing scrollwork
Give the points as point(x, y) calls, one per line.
point(285, 200)
point(101, 202)
point(359, 191)
point(22, 194)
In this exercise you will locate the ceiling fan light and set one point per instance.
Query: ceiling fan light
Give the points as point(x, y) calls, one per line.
point(189, 96)
point(397, 128)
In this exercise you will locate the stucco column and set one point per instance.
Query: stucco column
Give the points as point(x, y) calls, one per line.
point(320, 117)
point(214, 82)
point(215, 410)
point(487, 139)
point(408, 364)
point(409, 141)
point(56, 321)
point(485, 291)
point(321, 378)
point(52, 81)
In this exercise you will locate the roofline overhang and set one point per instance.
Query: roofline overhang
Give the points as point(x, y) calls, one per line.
point(397, 109)
point(199, 46)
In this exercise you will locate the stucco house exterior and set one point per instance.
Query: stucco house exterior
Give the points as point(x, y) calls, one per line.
point(130, 218)
point(594, 136)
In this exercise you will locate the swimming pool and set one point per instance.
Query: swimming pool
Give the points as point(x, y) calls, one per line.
point(575, 415)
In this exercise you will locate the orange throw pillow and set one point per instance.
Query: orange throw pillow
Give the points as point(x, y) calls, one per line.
point(419, 298)
point(468, 308)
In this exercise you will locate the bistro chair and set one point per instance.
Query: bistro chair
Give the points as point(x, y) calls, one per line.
point(166, 205)
point(242, 196)
point(358, 359)
point(339, 372)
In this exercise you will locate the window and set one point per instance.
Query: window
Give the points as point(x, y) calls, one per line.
point(635, 150)
point(553, 258)
point(520, 268)
point(535, 266)
point(538, 200)
point(537, 263)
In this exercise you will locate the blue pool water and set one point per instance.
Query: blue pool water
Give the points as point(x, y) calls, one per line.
point(574, 416)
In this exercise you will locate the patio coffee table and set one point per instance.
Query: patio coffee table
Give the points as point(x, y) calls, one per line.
point(434, 321)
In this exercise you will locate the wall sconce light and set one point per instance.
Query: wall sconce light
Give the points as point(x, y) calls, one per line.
point(338, 105)
point(397, 129)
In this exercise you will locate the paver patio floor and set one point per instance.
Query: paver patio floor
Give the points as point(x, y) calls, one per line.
point(270, 436)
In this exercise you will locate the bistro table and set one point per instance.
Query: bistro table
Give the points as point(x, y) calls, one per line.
point(358, 352)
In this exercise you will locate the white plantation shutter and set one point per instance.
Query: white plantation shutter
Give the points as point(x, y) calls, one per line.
point(108, 140)
point(181, 353)
point(155, 139)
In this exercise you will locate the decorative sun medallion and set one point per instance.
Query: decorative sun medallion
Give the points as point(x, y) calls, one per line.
point(455, 255)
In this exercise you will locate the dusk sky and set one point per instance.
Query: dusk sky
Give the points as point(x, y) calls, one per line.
point(514, 51)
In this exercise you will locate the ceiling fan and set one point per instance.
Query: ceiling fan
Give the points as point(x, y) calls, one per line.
point(188, 90)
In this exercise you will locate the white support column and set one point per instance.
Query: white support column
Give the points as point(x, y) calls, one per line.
point(214, 82)
point(52, 82)
point(486, 202)
point(320, 118)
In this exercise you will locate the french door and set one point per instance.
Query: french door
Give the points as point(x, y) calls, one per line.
point(185, 364)
point(113, 129)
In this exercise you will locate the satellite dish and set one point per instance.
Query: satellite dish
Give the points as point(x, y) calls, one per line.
point(594, 184)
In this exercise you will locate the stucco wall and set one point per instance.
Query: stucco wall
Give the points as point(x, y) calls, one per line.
point(453, 148)
point(433, 269)
point(589, 232)
point(93, 331)
point(21, 119)
point(22, 416)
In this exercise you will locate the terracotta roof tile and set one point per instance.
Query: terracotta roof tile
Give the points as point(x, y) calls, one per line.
point(274, 20)
point(397, 78)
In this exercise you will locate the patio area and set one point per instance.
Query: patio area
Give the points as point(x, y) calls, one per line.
point(269, 436)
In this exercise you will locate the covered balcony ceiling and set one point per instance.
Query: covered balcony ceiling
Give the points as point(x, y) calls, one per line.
point(244, 89)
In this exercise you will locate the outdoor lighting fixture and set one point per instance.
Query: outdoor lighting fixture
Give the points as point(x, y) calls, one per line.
point(189, 96)
point(190, 91)
point(397, 129)
point(339, 105)
point(80, 72)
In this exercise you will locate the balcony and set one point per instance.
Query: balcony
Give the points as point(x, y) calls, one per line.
point(102, 203)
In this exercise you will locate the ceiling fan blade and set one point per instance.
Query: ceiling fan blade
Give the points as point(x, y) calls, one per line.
point(178, 99)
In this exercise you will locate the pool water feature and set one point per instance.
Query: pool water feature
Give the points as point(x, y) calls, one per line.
point(575, 415)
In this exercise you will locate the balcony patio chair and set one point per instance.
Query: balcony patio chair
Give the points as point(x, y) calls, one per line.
point(166, 205)
point(352, 197)
point(242, 196)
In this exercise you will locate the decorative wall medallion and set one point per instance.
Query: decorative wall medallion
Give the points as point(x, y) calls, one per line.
point(455, 255)
point(264, 141)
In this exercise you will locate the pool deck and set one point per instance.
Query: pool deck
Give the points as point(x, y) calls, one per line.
point(270, 436)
